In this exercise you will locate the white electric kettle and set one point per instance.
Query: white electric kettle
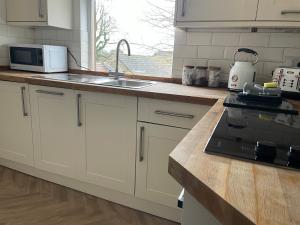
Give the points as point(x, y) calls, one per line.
point(242, 72)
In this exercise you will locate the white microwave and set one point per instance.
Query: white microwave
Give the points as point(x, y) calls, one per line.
point(38, 58)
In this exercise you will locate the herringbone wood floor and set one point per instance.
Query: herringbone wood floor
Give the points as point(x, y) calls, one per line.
point(25, 200)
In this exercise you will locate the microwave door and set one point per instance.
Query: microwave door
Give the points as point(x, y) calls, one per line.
point(26, 56)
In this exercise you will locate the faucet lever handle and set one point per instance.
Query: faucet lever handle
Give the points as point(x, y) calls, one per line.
point(116, 75)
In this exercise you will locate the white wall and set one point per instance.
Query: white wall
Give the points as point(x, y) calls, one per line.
point(216, 47)
point(10, 35)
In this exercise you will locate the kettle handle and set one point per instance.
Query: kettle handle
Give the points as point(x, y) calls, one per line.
point(249, 51)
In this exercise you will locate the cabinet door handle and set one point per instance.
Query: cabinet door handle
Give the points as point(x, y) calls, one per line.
point(284, 12)
point(50, 92)
point(79, 123)
point(165, 113)
point(23, 101)
point(183, 8)
point(141, 147)
point(41, 13)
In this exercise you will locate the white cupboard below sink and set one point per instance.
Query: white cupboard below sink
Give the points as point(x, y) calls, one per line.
point(15, 123)
point(58, 138)
point(110, 140)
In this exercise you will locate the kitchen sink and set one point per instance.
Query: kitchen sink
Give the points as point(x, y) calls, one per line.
point(97, 80)
point(76, 78)
point(124, 83)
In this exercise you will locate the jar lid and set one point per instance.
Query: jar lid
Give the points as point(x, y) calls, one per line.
point(214, 68)
point(201, 67)
point(190, 67)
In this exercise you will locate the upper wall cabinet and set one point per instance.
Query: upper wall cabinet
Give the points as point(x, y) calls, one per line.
point(55, 13)
point(237, 13)
point(216, 10)
point(282, 10)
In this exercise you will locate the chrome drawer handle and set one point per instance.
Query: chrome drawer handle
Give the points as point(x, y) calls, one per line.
point(79, 123)
point(284, 12)
point(50, 92)
point(141, 147)
point(165, 113)
point(23, 101)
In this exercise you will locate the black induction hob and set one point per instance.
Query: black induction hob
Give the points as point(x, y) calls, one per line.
point(260, 136)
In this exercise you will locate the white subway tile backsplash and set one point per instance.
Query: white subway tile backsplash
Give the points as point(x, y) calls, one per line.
point(210, 52)
point(180, 37)
point(18, 32)
point(276, 47)
point(270, 54)
point(4, 61)
point(224, 64)
point(3, 30)
point(49, 34)
point(269, 68)
point(176, 73)
point(225, 39)
point(287, 40)
point(178, 63)
point(195, 38)
point(185, 51)
point(65, 35)
point(292, 52)
point(254, 39)
point(3, 52)
point(195, 62)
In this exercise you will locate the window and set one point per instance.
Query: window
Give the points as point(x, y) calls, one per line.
point(148, 27)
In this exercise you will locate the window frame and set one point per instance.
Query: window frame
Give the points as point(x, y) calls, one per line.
point(92, 53)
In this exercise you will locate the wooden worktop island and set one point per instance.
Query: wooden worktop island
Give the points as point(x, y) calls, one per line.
point(235, 192)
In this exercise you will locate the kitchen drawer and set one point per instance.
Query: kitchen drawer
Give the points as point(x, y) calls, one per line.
point(177, 114)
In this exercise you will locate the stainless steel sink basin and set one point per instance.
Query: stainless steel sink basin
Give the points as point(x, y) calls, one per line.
point(76, 78)
point(97, 80)
point(124, 83)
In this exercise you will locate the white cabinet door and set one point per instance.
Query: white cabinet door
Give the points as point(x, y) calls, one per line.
point(58, 137)
point(153, 182)
point(15, 123)
point(110, 132)
point(280, 10)
point(216, 10)
point(26, 10)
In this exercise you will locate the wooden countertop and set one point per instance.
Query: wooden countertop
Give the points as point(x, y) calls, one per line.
point(166, 91)
point(235, 192)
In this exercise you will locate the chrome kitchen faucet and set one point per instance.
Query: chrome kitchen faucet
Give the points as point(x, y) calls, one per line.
point(116, 74)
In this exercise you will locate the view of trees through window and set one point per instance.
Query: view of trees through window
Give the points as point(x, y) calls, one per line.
point(148, 27)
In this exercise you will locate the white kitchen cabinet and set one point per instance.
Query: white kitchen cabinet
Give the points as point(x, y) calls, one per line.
point(279, 10)
point(110, 144)
point(216, 10)
point(155, 143)
point(237, 13)
point(57, 133)
point(56, 13)
point(15, 123)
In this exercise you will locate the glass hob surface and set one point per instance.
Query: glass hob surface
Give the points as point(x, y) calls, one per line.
point(263, 137)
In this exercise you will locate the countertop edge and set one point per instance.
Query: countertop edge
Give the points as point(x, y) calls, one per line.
point(220, 208)
point(148, 92)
